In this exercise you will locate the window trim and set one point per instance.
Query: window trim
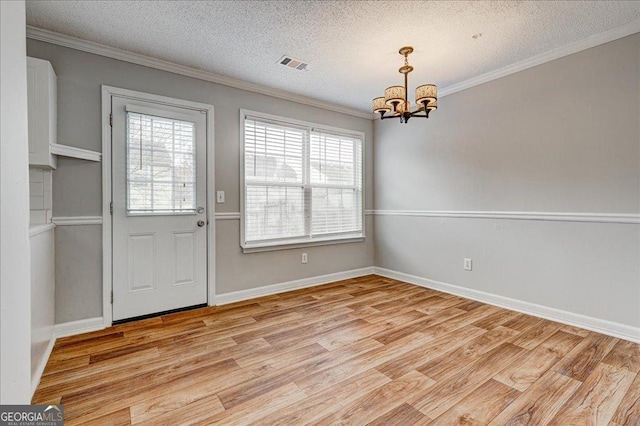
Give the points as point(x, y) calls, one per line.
point(285, 244)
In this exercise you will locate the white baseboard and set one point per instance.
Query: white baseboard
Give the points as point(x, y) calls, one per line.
point(35, 380)
point(78, 327)
point(93, 324)
point(64, 330)
point(237, 296)
point(610, 328)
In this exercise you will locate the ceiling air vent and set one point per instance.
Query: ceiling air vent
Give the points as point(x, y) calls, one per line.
point(294, 63)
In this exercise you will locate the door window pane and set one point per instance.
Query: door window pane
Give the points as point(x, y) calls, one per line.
point(161, 171)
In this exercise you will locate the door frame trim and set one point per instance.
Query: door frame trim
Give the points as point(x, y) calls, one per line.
point(107, 226)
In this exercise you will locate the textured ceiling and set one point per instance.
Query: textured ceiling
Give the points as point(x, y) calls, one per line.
point(351, 46)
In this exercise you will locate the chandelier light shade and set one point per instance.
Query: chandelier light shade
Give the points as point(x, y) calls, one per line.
point(395, 99)
point(380, 105)
point(394, 95)
point(427, 93)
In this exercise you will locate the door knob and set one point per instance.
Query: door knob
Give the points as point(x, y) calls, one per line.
point(201, 223)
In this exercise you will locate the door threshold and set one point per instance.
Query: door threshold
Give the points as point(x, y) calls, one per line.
point(159, 314)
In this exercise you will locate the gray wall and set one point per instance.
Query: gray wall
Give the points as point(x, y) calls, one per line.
point(78, 252)
point(77, 184)
point(560, 137)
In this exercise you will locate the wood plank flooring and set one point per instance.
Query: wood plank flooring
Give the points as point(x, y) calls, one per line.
point(369, 350)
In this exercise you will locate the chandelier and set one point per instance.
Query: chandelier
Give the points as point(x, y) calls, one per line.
point(395, 100)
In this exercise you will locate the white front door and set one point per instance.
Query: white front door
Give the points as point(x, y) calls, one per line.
point(159, 201)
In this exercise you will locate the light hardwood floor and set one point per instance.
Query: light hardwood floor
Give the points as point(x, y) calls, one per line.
point(369, 350)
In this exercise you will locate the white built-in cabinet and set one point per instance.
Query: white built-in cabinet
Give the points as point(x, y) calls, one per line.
point(43, 118)
point(42, 105)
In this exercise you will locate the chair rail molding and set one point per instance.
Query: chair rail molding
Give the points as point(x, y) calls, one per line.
point(77, 220)
point(40, 229)
point(227, 216)
point(237, 215)
point(628, 218)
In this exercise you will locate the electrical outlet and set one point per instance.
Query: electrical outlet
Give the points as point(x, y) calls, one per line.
point(220, 197)
point(304, 258)
point(468, 264)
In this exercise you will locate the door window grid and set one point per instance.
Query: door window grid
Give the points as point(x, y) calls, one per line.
point(160, 154)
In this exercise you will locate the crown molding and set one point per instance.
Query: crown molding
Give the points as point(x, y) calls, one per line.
point(148, 61)
point(551, 55)
point(136, 58)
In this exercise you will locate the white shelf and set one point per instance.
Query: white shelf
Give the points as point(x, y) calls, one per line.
point(70, 151)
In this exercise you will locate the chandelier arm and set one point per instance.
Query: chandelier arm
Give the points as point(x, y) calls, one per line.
point(424, 109)
point(415, 114)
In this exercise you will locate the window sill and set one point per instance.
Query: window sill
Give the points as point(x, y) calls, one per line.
point(257, 248)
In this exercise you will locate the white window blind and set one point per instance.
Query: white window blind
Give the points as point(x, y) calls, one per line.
point(161, 173)
point(301, 184)
point(336, 183)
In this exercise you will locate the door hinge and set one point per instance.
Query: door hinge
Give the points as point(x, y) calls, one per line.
point(111, 119)
point(112, 297)
point(111, 207)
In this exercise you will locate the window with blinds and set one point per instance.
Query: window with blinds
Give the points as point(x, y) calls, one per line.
point(301, 183)
point(161, 174)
